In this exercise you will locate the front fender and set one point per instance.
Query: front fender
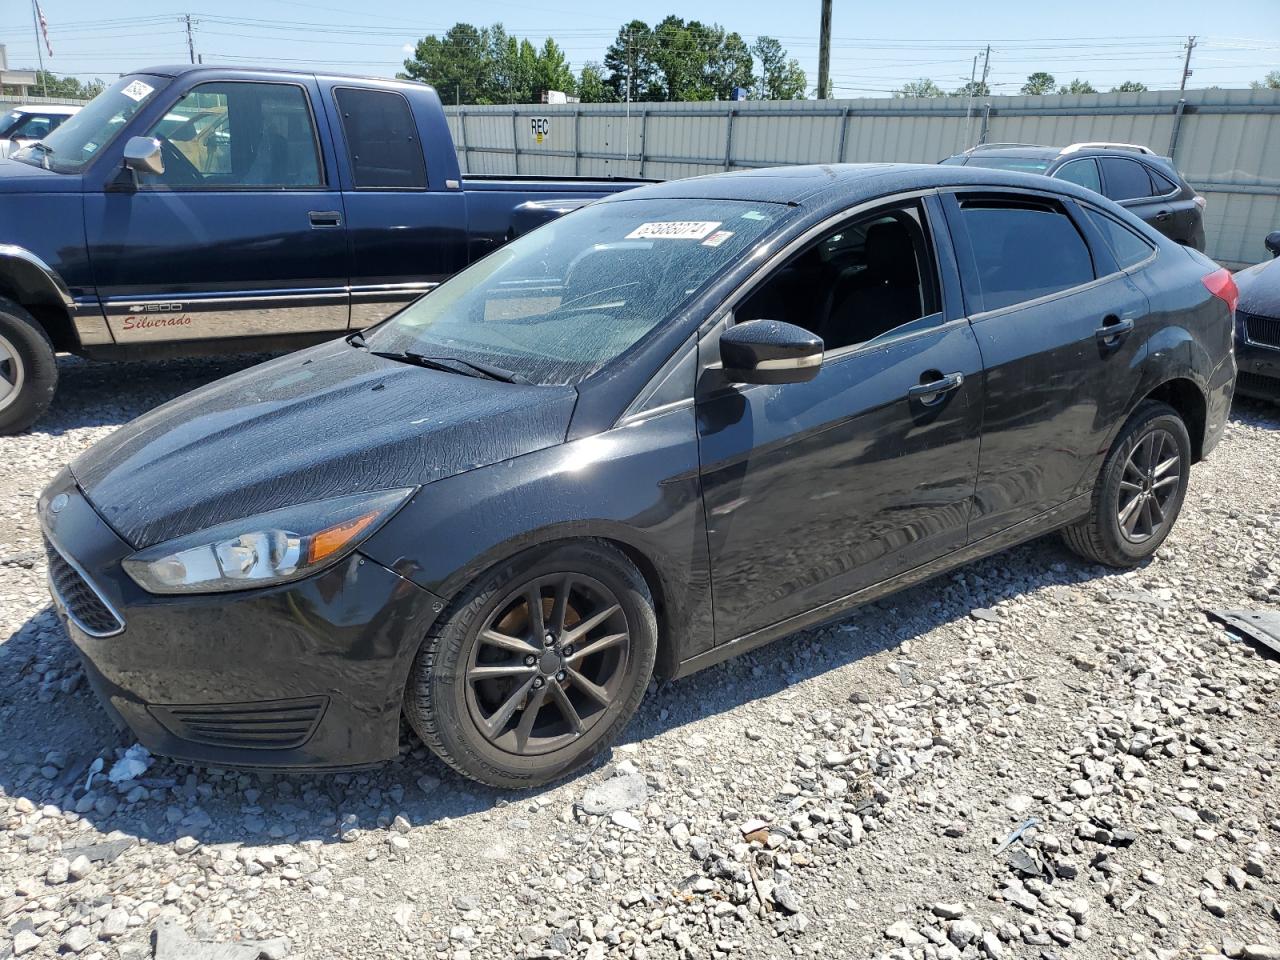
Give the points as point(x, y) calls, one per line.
point(31, 281)
point(636, 485)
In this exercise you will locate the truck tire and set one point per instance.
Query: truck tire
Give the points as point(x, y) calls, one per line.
point(28, 368)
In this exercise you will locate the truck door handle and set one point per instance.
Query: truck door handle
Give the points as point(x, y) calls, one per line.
point(936, 387)
point(1113, 329)
point(320, 219)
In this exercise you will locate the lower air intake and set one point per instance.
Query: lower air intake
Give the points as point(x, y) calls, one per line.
point(260, 725)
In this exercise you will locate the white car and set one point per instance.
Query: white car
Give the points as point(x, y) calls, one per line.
point(25, 125)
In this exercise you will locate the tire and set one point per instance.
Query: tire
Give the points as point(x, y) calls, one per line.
point(475, 663)
point(28, 369)
point(1154, 432)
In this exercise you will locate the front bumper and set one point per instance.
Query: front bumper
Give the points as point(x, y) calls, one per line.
point(306, 675)
point(1259, 367)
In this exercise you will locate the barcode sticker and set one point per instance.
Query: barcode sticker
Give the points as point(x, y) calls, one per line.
point(673, 230)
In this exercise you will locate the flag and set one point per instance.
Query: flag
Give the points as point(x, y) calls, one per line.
point(44, 27)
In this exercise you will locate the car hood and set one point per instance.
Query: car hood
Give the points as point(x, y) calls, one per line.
point(1259, 288)
point(324, 422)
point(19, 177)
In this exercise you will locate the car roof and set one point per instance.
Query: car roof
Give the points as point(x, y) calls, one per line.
point(182, 69)
point(816, 185)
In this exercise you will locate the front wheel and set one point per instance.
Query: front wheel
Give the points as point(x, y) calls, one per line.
point(28, 369)
point(536, 668)
point(1139, 492)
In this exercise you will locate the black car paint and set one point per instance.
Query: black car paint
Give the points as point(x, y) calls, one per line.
point(682, 487)
point(1258, 355)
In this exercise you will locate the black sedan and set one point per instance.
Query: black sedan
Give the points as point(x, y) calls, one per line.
point(665, 429)
point(1258, 326)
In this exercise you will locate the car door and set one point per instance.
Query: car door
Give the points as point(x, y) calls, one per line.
point(406, 225)
point(240, 236)
point(1057, 323)
point(1129, 183)
point(815, 490)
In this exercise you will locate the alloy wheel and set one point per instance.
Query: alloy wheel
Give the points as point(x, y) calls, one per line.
point(547, 663)
point(1149, 486)
point(12, 373)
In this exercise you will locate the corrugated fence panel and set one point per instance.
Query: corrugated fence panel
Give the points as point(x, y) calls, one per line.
point(1226, 142)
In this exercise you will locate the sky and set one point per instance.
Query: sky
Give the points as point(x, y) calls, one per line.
point(876, 46)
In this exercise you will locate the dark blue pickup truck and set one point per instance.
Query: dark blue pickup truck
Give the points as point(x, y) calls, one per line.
point(201, 209)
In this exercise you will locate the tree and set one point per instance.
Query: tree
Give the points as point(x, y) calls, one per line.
point(552, 71)
point(678, 60)
point(924, 87)
point(780, 77)
point(458, 65)
point(1270, 82)
point(1130, 86)
point(1038, 84)
point(1077, 86)
point(58, 86)
point(974, 88)
point(629, 60)
point(592, 87)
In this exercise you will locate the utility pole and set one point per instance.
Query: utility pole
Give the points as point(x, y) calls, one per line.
point(1186, 63)
point(986, 69)
point(968, 106)
point(191, 44)
point(824, 52)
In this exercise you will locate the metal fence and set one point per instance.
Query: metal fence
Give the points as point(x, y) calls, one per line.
point(1225, 142)
point(9, 102)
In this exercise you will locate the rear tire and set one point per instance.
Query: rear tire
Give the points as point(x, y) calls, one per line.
point(28, 368)
point(537, 667)
point(1139, 491)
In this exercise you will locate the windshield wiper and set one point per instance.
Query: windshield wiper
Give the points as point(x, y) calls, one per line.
point(44, 148)
point(444, 363)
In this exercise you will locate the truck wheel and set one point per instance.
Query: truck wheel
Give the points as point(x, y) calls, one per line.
point(1139, 492)
point(28, 369)
point(537, 667)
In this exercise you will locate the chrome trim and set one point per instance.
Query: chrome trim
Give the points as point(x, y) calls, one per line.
point(453, 185)
point(1107, 145)
point(373, 303)
point(214, 317)
point(53, 542)
point(91, 326)
point(13, 251)
point(791, 363)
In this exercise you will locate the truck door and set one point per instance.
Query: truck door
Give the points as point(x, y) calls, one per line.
point(406, 224)
point(240, 236)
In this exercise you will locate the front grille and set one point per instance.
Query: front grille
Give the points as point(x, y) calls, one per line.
point(260, 725)
point(1256, 385)
point(83, 604)
point(1262, 330)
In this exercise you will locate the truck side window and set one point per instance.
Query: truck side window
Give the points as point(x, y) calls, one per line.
point(225, 135)
point(382, 140)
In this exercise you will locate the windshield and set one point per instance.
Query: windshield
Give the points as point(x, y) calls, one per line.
point(559, 303)
point(1023, 164)
point(76, 142)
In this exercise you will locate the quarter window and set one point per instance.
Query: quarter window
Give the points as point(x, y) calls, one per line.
point(1161, 184)
point(1082, 172)
point(238, 135)
point(1023, 250)
point(869, 278)
point(1126, 245)
point(1126, 179)
point(382, 140)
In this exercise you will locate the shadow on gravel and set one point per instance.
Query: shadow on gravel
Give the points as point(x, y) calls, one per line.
point(1256, 413)
point(52, 737)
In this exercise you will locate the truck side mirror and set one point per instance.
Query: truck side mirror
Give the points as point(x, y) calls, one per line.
point(142, 155)
point(769, 351)
point(1273, 242)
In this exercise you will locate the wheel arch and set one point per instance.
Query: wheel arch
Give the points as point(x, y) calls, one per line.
point(1188, 399)
point(30, 282)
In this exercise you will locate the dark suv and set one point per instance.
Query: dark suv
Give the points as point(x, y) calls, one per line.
point(1131, 175)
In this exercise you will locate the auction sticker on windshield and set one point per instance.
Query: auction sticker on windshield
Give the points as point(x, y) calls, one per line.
point(137, 90)
point(673, 230)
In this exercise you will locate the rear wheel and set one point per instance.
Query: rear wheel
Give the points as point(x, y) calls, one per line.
point(537, 667)
point(1139, 492)
point(28, 369)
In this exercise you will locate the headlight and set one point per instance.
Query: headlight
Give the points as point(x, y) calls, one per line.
point(273, 547)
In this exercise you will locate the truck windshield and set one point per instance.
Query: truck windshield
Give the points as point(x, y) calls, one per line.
point(559, 303)
point(70, 148)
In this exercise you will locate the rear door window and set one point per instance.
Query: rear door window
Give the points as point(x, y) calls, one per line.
point(1126, 179)
point(1082, 172)
point(1023, 249)
point(1160, 184)
point(1127, 246)
point(382, 140)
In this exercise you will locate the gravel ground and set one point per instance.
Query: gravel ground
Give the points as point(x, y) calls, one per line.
point(855, 790)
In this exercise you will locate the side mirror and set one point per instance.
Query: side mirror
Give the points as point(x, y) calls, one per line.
point(770, 351)
point(1273, 242)
point(142, 155)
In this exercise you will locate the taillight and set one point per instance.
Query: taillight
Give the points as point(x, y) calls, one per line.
point(1200, 201)
point(1223, 286)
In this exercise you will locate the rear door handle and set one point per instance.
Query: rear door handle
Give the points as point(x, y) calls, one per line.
point(320, 219)
point(1164, 215)
point(932, 391)
point(1113, 329)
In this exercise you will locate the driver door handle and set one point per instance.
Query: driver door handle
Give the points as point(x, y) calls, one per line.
point(321, 219)
point(933, 390)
